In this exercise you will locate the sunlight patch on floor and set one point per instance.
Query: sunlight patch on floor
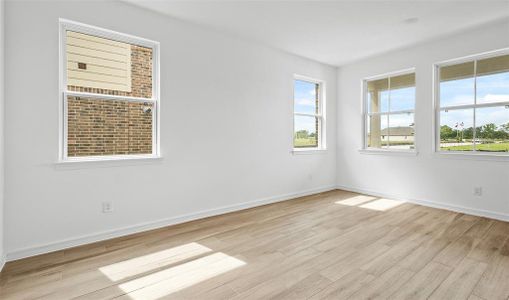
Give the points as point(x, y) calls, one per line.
point(145, 263)
point(166, 282)
point(382, 204)
point(356, 200)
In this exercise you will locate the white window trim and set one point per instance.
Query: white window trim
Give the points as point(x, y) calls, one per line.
point(322, 123)
point(65, 25)
point(364, 111)
point(496, 156)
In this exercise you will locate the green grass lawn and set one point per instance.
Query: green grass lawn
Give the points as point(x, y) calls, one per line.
point(301, 143)
point(493, 147)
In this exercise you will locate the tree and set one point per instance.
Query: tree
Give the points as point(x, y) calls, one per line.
point(505, 127)
point(302, 134)
point(447, 132)
point(488, 131)
point(468, 133)
point(502, 133)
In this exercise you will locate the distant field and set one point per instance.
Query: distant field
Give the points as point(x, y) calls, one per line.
point(493, 147)
point(309, 142)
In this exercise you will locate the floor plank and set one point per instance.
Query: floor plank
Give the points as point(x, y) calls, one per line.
point(333, 245)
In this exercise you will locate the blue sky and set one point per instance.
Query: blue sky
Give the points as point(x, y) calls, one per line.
point(396, 120)
point(304, 97)
point(401, 99)
point(305, 102)
point(490, 89)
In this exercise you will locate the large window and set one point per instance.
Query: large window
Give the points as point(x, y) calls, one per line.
point(389, 103)
point(308, 118)
point(472, 104)
point(109, 94)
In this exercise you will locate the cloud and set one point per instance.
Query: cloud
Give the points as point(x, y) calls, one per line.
point(403, 120)
point(496, 115)
point(453, 117)
point(305, 102)
point(457, 100)
point(494, 98)
point(306, 123)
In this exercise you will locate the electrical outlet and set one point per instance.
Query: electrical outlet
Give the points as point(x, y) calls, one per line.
point(107, 207)
point(478, 191)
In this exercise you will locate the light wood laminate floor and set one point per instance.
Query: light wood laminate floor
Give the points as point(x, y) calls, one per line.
point(336, 245)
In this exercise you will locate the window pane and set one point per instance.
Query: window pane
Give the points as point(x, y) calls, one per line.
point(492, 129)
point(457, 84)
point(104, 66)
point(402, 92)
point(493, 79)
point(306, 132)
point(377, 131)
point(106, 127)
point(401, 131)
point(306, 97)
point(456, 130)
point(378, 95)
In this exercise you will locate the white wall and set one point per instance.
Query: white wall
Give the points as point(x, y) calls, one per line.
point(2, 226)
point(447, 181)
point(209, 83)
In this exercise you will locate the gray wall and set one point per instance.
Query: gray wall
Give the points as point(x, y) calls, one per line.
point(210, 83)
point(2, 93)
point(439, 180)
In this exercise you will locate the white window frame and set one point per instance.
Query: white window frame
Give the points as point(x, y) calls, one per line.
point(64, 26)
point(366, 113)
point(321, 115)
point(437, 108)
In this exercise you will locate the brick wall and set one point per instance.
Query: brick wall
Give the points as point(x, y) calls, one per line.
point(141, 72)
point(106, 127)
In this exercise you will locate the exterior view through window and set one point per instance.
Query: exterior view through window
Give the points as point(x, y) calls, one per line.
point(389, 112)
point(307, 114)
point(109, 100)
point(473, 105)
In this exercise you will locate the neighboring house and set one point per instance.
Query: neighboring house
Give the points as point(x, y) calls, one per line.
point(400, 133)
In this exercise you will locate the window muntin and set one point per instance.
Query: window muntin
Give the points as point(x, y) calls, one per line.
point(109, 94)
point(455, 126)
point(389, 113)
point(308, 114)
point(473, 105)
point(457, 85)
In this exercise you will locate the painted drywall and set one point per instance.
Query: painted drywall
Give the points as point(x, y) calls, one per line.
point(2, 89)
point(226, 130)
point(441, 180)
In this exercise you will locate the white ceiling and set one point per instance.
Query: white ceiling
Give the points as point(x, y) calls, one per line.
point(334, 32)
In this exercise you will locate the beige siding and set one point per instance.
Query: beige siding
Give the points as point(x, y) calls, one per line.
point(108, 63)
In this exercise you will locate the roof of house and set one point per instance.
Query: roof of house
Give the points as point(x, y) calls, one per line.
point(398, 131)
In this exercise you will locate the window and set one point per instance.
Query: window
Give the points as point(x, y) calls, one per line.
point(109, 93)
point(308, 119)
point(389, 103)
point(472, 104)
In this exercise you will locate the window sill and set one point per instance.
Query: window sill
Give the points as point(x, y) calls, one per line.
point(309, 151)
point(389, 152)
point(472, 155)
point(106, 161)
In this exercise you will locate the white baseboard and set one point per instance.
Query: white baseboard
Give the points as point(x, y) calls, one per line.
point(455, 208)
point(105, 235)
point(3, 260)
